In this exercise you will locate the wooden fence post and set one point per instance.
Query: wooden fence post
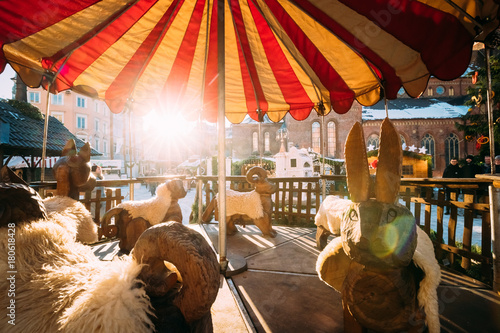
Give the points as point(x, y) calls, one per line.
point(468, 223)
point(495, 232)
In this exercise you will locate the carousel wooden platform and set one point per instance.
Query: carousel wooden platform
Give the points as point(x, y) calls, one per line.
point(281, 292)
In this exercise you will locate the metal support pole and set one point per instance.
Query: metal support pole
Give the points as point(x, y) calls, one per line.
point(221, 128)
point(323, 153)
point(494, 194)
point(489, 108)
point(131, 185)
point(45, 134)
point(199, 188)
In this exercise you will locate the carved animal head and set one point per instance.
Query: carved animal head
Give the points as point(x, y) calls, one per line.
point(176, 188)
point(377, 231)
point(257, 176)
point(18, 201)
point(72, 170)
point(175, 254)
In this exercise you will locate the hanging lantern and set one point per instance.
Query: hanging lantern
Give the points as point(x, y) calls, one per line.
point(474, 78)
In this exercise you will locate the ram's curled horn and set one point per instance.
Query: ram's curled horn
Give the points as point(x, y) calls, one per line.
point(356, 163)
point(258, 171)
point(193, 258)
point(390, 157)
point(18, 201)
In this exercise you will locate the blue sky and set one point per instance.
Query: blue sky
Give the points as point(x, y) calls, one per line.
point(6, 83)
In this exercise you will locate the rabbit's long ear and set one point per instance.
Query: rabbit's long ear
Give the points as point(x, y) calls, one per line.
point(390, 156)
point(356, 164)
point(69, 148)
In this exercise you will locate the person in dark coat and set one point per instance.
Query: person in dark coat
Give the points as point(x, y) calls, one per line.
point(497, 164)
point(470, 169)
point(487, 164)
point(453, 170)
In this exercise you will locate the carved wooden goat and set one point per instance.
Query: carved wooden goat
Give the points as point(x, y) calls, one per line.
point(242, 207)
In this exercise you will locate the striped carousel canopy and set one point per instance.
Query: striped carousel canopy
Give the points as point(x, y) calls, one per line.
point(279, 56)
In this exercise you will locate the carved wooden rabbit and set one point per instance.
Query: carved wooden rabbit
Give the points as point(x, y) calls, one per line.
point(382, 263)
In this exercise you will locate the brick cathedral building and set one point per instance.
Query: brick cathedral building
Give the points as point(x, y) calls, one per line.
point(428, 121)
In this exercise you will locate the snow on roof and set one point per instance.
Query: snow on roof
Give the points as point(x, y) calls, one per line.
point(407, 108)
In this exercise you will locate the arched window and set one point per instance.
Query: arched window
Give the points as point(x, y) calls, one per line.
point(430, 92)
point(266, 142)
point(403, 140)
point(429, 143)
point(373, 141)
point(316, 137)
point(451, 147)
point(451, 91)
point(255, 142)
point(332, 140)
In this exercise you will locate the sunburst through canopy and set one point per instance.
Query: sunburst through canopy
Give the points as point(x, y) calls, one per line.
point(280, 56)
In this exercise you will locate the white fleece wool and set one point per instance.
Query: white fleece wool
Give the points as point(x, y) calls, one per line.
point(61, 286)
point(244, 203)
point(72, 215)
point(153, 210)
point(425, 258)
point(330, 213)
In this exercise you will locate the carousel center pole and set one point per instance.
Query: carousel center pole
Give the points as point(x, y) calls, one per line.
point(494, 192)
point(221, 127)
point(131, 184)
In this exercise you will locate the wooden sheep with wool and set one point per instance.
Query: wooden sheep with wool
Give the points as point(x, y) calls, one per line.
point(254, 206)
point(19, 202)
point(60, 286)
point(382, 263)
point(132, 218)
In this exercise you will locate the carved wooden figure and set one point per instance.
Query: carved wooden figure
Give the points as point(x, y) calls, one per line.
point(72, 170)
point(247, 207)
point(382, 263)
point(132, 218)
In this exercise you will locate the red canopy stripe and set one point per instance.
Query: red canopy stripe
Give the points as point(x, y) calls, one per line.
point(251, 83)
point(417, 24)
point(121, 87)
point(91, 49)
point(176, 83)
point(341, 95)
point(25, 18)
point(210, 98)
point(291, 88)
point(383, 70)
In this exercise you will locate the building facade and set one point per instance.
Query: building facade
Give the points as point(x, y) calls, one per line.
point(426, 122)
point(88, 119)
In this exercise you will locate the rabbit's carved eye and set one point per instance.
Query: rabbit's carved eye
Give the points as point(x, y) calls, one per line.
point(353, 215)
point(391, 215)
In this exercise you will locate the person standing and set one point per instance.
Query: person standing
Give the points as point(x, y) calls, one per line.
point(497, 164)
point(453, 170)
point(487, 164)
point(470, 169)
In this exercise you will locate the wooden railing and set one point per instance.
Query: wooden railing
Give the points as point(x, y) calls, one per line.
point(107, 194)
point(298, 199)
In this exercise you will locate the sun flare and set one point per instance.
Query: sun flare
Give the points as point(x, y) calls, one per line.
point(167, 131)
